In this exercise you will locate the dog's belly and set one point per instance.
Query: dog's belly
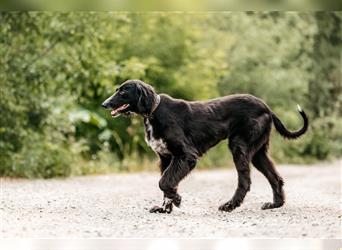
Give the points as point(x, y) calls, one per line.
point(157, 145)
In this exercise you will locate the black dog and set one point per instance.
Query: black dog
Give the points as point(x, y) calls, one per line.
point(180, 132)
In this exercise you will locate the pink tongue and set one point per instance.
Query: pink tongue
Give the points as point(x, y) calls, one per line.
point(115, 111)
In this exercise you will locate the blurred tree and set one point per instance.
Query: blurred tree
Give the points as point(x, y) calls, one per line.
point(325, 87)
point(266, 61)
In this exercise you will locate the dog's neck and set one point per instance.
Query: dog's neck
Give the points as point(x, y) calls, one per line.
point(155, 105)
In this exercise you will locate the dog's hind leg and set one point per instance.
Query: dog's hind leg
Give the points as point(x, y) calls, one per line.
point(173, 174)
point(264, 164)
point(241, 158)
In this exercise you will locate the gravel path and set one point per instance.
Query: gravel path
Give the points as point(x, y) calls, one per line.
point(116, 205)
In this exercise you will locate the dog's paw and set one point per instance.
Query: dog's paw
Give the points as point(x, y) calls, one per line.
point(228, 206)
point(161, 210)
point(165, 208)
point(157, 209)
point(270, 205)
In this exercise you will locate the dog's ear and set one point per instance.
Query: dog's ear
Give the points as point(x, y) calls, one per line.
point(146, 97)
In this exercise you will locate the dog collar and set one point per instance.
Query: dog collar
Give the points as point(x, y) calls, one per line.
point(156, 104)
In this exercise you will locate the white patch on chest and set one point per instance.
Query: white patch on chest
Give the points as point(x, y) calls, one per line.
point(157, 145)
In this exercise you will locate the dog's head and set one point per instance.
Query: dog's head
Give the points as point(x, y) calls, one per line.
point(132, 96)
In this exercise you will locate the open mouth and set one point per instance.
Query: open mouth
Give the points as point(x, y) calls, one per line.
point(119, 110)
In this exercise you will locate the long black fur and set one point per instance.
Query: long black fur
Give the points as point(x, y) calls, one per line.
point(190, 129)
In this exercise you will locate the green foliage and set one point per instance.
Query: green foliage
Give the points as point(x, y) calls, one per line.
point(57, 68)
point(326, 84)
point(44, 160)
point(300, 65)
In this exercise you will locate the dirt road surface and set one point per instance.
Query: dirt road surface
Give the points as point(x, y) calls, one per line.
point(117, 205)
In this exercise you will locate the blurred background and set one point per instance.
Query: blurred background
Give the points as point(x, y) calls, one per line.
point(57, 68)
point(171, 5)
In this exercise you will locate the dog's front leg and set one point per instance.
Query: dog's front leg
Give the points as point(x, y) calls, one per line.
point(174, 173)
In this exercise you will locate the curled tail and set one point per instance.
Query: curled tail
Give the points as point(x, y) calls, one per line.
point(289, 134)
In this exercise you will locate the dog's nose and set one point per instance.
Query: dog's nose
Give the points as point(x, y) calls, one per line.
point(103, 105)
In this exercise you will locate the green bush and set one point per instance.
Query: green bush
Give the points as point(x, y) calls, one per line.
point(41, 159)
